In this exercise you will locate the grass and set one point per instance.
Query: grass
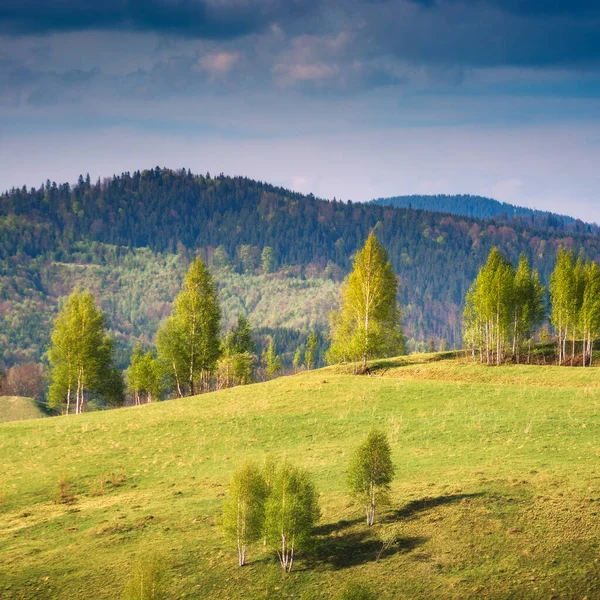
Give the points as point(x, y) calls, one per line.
point(497, 492)
point(17, 408)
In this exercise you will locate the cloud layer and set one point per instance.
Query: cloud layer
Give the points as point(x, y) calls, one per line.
point(239, 70)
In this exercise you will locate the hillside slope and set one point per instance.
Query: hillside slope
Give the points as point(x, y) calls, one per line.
point(470, 206)
point(15, 408)
point(130, 237)
point(496, 493)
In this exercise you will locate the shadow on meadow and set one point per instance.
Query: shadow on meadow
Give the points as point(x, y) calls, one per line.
point(349, 542)
point(379, 367)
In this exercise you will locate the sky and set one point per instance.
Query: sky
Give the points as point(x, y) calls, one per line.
point(353, 99)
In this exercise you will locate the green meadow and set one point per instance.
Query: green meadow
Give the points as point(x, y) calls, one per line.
point(17, 408)
point(496, 495)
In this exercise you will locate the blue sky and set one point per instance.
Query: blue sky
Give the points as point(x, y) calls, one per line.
point(354, 99)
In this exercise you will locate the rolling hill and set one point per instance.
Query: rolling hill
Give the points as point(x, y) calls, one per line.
point(496, 493)
point(16, 408)
point(471, 206)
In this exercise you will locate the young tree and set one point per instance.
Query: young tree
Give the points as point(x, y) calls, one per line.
point(370, 473)
point(272, 360)
point(244, 510)
point(291, 513)
point(368, 322)
point(590, 311)
point(312, 343)
point(144, 376)
point(562, 286)
point(241, 339)
point(81, 356)
point(297, 361)
point(147, 579)
point(267, 259)
point(489, 309)
point(529, 309)
point(188, 343)
point(236, 365)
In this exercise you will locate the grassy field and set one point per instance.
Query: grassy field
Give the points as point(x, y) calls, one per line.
point(497, 493)
point(16, 408)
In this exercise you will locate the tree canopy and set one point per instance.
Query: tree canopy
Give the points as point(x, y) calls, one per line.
point(367, 324)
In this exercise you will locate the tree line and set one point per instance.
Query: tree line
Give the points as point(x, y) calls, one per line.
point(506, 307)
point(191, 356)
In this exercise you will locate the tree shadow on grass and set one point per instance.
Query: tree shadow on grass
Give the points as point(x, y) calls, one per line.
point(357, 547)
point(348, 543)
point(379, 367)
point(427, 503)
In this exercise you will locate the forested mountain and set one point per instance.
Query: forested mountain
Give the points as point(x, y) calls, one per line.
point(130, 239)
point(471, 206)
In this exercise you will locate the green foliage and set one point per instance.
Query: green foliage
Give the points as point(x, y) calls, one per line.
point(297, 360)
point(188, 343)
point(529, 305)
point(145, 376)
point(272, 360)
point(368, 322)
point(312, 343)
point(244, 509)
point(147, 580)
point(503, 309)
point(238, 358)
point(292, 511)
point(267, 260)
point(370, 473)
point(240, 338)
point(81, 356)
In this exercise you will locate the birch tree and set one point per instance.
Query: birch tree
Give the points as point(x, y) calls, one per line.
point(562, 284)
point(370, 473)
point(81, 356)
point(529, 308)
point(367, 324)
point(490, 309)
point(244, 510)
point(188, 343)
point(144, 376)
point(292, 511)
point(310, 352)
point(590, 311)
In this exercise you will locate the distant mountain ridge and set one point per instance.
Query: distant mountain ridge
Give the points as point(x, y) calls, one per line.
point(478, 207)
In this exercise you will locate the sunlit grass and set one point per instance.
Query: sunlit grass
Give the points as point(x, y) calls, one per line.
point(497, 491)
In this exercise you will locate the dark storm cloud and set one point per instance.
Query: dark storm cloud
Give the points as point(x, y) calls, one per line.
point(489, 33)
point(528, 7)
point(222, 19)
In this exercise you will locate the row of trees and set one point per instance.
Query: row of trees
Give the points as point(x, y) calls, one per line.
point(279, 503)
point(190, 355)
point(575, 295)
point(505, 308)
